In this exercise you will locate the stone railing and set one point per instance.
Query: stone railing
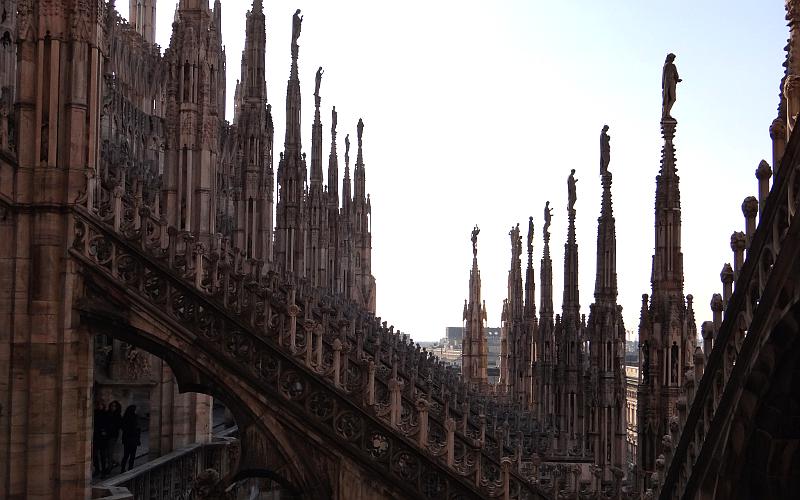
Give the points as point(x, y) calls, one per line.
point(170, 477)
point(302, 345)
point(736, 340)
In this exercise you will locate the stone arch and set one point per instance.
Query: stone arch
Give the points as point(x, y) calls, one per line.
point(266, 442)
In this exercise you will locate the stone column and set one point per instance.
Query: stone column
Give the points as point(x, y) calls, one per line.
point(738, 244)
point(176, 420)
point(46, 357)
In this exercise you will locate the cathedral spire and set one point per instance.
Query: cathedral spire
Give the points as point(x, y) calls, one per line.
point(333, 165)
point(316, 138)
point(292, 141)
point(252, 84)
point(606, 278)
point(530, 279)
point(667, 273)
point(359, 175)
point(142, 15)
point(346, 189)
point(571, 302)
point(546, 270)
point(474, 345)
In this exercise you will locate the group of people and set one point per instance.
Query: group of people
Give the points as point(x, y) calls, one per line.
point(109, 423)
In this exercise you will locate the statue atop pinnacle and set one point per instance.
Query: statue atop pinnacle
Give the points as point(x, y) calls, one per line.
point(605, 150)
point(548, 215)
point(297, 20)
point(360, 131)
point(669, 82)
point(318, 81)
point(572, 190)
point(530, 235)
point(475, 232)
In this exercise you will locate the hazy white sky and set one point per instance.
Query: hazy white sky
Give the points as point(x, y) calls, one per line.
point(475, 112)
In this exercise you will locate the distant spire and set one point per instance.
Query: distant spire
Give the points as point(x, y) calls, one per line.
point(316, 137)
point(333, 165)
point(530, 278)
point(606, 278)
point(474, 345)
point(571, 302)
point(546, 270)
point(667, 273)
point(292, 142)
point(346, 197)
point(359, 176)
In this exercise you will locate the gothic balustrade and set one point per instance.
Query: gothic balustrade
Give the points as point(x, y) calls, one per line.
point(170, 477)
point(226, 299)
point(736, 340)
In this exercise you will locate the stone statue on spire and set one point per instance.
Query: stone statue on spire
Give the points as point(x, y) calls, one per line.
point(318, 81)
point(347, 149)
point(605, 150)
point(334, 119)
point(548, 215)
point(360, 131)
point(530, 235)
point(297, 20)
point(572, 190)
point(475, 232)
point(669, 82)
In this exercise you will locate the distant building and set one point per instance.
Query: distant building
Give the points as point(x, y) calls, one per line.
point(450, 350)
point(631, 430)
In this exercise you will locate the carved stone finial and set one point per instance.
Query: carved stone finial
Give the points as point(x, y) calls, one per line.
point(726, 275)
point(750, 207)
point(738, 241)
point(209, 486)
point(717, 305)
point(764, 171)
point(669, 83)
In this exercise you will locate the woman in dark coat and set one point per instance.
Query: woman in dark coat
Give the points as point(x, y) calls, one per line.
point(131, 437)
point(99, 438)
point(113, 424)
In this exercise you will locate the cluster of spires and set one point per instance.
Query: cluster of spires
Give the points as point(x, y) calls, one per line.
point(568, 371)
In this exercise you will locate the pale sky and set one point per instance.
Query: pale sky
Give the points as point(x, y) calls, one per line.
point(475, 112)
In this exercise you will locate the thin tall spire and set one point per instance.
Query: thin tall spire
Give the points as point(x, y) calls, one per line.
point(292, 142)
point(530, 279)
point(316, 138)
point(571, 302)
point(333, 165)
point(474, 348)
point(605, 284)
point(546, 270)
point(667, 272)
point(346, 186)
point(359, 175)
